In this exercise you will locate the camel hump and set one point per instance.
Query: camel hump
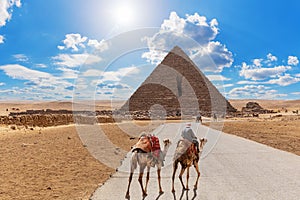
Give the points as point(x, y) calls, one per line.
point(143, 144)
point(182, 146)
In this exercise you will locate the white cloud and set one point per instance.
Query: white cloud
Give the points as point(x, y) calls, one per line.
point(271, 58)
point(38, 84)
point(295, 93)
point(6, 10)
point(92, 73)
point(111, 86)
point(73, 41)
point(257, 62)
point(248, 82)
point(221, 87)
point(293, 60)
point(284, 80)
point(41, 65)
point(21, 57)
point(193, 34)
point(75, 60)
point(119, 74)
point(217, 78)
point(213, 57)
point(1, 39)
point(227, 85)
point(1, 84)
point(110, 76)
point(254, 91)
point(100, 46)
point(68, 73)
point(20, 72)
point(259, 73)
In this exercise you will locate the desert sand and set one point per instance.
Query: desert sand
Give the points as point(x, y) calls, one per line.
point(52, 163)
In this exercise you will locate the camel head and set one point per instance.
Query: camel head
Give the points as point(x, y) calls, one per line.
point(167, 142)
point(203, 141)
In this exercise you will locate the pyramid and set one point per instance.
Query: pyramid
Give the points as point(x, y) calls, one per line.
point(178, 86)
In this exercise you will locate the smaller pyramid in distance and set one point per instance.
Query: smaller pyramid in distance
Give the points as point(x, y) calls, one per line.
point(178, 86)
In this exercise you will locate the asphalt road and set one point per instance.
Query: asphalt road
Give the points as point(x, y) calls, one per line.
point(231, 168)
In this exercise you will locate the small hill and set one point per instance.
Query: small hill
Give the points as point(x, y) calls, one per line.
point(268, 104)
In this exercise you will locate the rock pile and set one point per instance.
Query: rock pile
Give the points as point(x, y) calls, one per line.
point(254, 107)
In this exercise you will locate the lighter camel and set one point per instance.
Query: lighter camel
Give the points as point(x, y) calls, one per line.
point(144, 160)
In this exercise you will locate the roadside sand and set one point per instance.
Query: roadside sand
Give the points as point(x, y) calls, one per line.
point(51, 163)
point(282, 133)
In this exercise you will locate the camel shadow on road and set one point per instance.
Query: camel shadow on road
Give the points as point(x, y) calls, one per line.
point(186, 192)
point(183, 196)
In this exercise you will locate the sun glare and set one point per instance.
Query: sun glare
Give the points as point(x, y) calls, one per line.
point(124, 15)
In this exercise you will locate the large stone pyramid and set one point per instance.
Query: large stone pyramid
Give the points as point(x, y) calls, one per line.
point(178, 86)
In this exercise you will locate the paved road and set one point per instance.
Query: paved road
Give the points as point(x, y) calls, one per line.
point(235, 168)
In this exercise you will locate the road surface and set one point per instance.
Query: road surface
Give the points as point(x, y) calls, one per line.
point(231, 168)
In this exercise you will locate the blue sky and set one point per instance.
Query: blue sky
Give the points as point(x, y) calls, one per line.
point(61, 50)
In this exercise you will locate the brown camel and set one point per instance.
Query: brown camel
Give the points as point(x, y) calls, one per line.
point(146, 160)
point(187, 155)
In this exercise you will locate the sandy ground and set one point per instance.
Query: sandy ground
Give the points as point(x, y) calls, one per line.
point(52, 163)
point(281, 132)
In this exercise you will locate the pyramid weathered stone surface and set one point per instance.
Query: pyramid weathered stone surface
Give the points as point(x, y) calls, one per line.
point(178, 86)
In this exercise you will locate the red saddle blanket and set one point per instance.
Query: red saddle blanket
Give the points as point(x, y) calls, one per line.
point(148, 144)
point(155, 146)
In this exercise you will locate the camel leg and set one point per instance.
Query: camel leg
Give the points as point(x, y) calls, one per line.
point(198, 176)
point(147, 178)
point(187, 178)
point(129, 182)
point(180, 177)
point(133, 165)
point(141, 180)
point(175, 165)
point(159, 183)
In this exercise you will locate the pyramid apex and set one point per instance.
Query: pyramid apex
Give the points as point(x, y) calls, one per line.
point(177, 50)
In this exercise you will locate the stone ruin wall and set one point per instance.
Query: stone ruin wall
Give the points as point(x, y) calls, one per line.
point(46, 118)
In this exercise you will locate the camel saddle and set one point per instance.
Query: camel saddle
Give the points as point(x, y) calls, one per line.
point(148, 143)
point(143, 144)
point(184, 146)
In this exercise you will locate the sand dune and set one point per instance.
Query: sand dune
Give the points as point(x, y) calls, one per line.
point(6, 107)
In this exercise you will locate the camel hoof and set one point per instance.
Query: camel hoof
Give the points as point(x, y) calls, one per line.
point(145, 194)
point(161, 192)
point(127, 196)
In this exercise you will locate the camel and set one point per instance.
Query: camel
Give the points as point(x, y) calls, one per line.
point(188, 157)
point(145, 160)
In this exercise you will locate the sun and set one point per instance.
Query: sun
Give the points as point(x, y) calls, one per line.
point(124, 15)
